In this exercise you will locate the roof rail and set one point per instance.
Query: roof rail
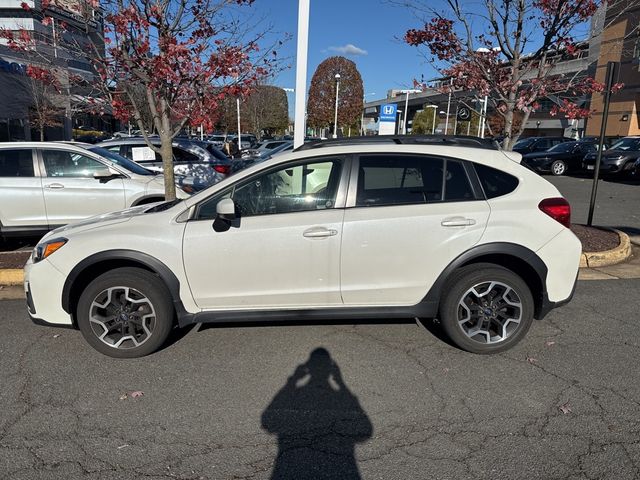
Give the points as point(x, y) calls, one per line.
point(446, 140)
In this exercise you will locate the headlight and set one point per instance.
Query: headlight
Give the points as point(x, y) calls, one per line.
point(43, 250)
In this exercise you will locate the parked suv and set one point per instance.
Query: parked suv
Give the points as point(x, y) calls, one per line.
point(538, 144)
point(189, 158)
point(45, 185)
point(619, 160)
point(360, 228)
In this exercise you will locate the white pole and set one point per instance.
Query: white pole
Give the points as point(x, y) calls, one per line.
point(55, 42)
point(335, 115)
point(239, 134)
point(406, 113)
point(446, 122)
point(301, 73)
point(433, 126)
point(455, 121)
point(201, 132)
point(483, 117)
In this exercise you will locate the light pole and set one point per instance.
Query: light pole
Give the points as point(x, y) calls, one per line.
point(239, 134)
point(433, 126)
point(300, 127)
point(406, 113)
point(335, 116)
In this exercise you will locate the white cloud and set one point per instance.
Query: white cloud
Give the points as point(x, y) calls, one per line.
point(348, 49)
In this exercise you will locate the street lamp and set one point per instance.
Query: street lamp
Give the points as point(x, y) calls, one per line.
point(433, 126)
point(335, 116)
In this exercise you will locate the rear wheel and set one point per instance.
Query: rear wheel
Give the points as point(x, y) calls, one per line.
point(486, 308)
point(558, 167)
point(125, 313)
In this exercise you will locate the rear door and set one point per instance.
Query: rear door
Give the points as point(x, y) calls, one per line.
point(409, 217)
point(70, 191)
point(21, 197)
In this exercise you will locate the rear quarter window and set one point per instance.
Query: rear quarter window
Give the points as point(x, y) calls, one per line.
point(495, 183)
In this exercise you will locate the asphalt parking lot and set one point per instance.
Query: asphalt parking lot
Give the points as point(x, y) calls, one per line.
point(382, 401)
point(370, 401)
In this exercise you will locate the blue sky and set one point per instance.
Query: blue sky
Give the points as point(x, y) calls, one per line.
point(372, 26)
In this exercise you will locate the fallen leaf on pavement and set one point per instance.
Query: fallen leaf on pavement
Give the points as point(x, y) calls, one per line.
point(565, 408)
point(531, 360)
point(124, 396)
point(56, 335)
point(136, 394)
point(123, 446)
point(549, 343)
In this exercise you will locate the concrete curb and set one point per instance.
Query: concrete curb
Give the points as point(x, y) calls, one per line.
point(11, 276)
point(608, 257)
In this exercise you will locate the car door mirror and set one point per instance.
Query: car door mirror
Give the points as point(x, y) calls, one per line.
point(226, 209)
point(225, 215)
point(105, 174)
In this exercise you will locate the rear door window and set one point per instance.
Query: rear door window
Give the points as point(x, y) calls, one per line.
point(16, 163)
point(411, 179)
point(495, 183)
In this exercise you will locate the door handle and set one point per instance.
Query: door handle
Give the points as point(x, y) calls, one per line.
point(457, 222)
point(319, 232)
point(54, 186)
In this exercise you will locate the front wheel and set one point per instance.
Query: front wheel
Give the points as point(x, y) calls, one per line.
point(125, 313)
point(558, 167)
point(486, 308)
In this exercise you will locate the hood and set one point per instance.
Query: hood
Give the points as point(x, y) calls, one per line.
point(613, 154)
point(100, 221)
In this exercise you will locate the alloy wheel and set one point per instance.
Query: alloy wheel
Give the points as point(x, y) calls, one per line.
point(122, 317)
point(489, 312)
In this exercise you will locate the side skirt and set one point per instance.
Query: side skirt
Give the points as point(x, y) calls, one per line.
point(421, 310)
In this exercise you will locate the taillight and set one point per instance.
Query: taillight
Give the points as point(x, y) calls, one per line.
point(558, 209)
point(224, 169)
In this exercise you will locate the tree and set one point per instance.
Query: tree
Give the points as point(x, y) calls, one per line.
point(508, 50)
point(423, 122)
point(322, 93)
point(44, 89)
point(266, 110)
point(186, 56)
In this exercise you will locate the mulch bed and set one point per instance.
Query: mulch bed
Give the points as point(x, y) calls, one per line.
point(14, 259)
point(595, 239)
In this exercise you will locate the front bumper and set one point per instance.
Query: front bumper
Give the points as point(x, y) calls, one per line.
point(43, 288)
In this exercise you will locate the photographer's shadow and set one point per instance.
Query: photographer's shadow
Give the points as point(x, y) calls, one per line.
point(318, 422)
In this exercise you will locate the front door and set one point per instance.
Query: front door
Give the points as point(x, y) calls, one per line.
point(70, 191)
point(412, 215)
point(283, 251)
point(22, 201)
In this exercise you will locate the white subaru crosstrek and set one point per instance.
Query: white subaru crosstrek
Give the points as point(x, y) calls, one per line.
point(368, 228)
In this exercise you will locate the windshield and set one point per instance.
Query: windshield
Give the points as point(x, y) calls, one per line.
point(627, 144)
point(121, 161)
point(525, 142)
point(563, 147)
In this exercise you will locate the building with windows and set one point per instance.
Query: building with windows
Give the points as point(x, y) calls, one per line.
point(620, 43)
point(73, 27)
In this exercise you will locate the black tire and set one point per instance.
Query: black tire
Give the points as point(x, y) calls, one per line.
point(143, 284)
point(558, 168)
point(457, 289)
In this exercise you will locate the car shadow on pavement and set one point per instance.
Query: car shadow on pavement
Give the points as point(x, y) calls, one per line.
point(318, 422)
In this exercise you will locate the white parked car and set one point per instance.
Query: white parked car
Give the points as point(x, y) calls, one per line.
point(46, 185)
point(337, 229)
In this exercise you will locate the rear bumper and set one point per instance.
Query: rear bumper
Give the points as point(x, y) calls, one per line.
point(547, 305)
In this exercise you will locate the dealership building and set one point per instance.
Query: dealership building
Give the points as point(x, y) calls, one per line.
point(55, 46)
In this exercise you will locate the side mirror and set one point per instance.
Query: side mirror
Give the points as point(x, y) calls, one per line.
point(226, 209)
point(105, 174)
